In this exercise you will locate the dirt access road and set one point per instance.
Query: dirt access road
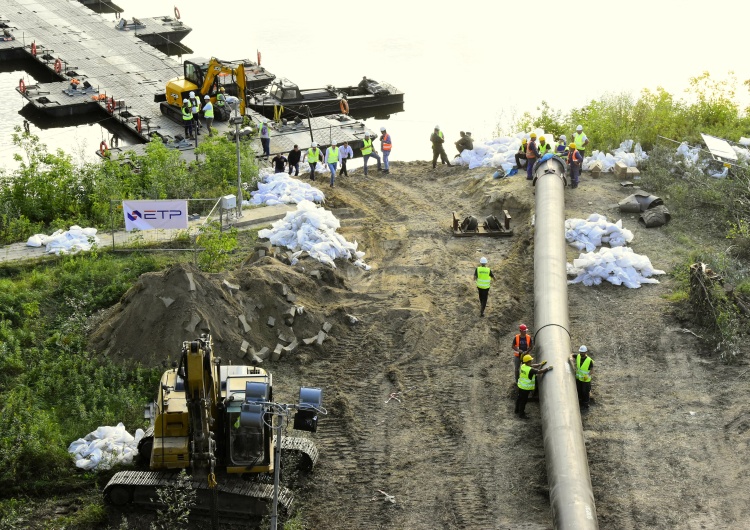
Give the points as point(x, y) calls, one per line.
point(667, 436)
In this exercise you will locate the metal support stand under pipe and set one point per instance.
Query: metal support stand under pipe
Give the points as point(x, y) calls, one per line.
point(571, 495)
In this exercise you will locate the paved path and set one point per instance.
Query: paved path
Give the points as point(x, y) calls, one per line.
point(251, 218)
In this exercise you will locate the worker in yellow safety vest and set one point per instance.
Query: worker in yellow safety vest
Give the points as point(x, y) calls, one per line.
point(584, 368)
point(581, 140)
point(483, 276)
point(521, 154)
point(313, 157)
point(332, 159)
point(544, 147)
point(187, 118)
point(527, 382)
point(208, 113)
point(437, 140)
point(368, 151)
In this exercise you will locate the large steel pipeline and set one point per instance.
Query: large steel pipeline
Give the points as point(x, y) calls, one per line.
point(571, 496)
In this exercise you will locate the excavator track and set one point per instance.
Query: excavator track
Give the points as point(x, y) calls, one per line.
point(304, 447)
point(236, 497)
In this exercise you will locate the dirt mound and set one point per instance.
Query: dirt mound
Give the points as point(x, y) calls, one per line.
point(163, 309)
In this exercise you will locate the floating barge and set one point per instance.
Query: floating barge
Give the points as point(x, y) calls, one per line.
point(369, 99)
point(158, 31)
point(118, 78)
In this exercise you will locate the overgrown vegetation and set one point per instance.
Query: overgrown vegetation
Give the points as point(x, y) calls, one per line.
point(50, 191)
point(715, 208)
point(710, 106)
point(52, 390)
point(177, 499)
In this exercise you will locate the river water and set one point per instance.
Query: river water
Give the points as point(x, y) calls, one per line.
point(466, 66)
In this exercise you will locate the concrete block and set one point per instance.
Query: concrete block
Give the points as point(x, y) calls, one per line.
point(291, 298)
point(327, 327)
point(286, 337)
point(191, 282)
point(320, 337)
point(310, 340)
point(271, 322)
point(316, 274)
point(291, 348)
point(256, 359)
point(167, 301)
point(289, 315)
point(230, 286)
point(264, 353)
point(194, 321)
point(244, 346)
point(244, 323)
point(276, 355)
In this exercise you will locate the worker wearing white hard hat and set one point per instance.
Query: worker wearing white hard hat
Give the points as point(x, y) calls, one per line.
point(195, 106)
point(187, 118)
point(581, 140)
point(584, 370)
point(483, 277)
point(314, 156)
point(208, 114)
point(385, 146)
point(368, 151)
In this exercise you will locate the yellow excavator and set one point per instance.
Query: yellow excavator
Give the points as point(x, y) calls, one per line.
point(220, 423)
point(206, 77)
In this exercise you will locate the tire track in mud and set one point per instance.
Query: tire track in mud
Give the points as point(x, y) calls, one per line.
point(435, 449)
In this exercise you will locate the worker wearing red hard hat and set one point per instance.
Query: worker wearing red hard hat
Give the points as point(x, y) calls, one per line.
point(522, 344)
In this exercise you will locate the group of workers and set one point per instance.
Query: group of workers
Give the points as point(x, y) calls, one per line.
point(334, 155)
point(574, 152)
point(192, 111)
point(525, 372)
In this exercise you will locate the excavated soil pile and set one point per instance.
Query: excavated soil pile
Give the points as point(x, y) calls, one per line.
point(163, 309)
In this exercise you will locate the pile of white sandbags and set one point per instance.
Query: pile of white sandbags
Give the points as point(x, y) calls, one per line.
point(105, 447)
point(593, 232)
point(312, 229)
point(618, 266)
point(280, 188)
point(690, 155)
point(499, 152)
point(66, 242)
point(621, 154)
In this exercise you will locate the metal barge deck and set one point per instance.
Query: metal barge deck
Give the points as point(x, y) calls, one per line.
point(118, 76)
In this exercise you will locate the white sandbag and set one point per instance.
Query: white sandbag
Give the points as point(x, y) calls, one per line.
point(105, 447)
point(34, 241)
point(618, 266)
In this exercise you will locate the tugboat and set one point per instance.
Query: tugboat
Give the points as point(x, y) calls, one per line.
point(368, 99)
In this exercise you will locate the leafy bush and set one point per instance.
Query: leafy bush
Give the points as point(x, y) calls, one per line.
point(48, 190)
point(178, 499)
point(52, 391)
point(216, 245)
